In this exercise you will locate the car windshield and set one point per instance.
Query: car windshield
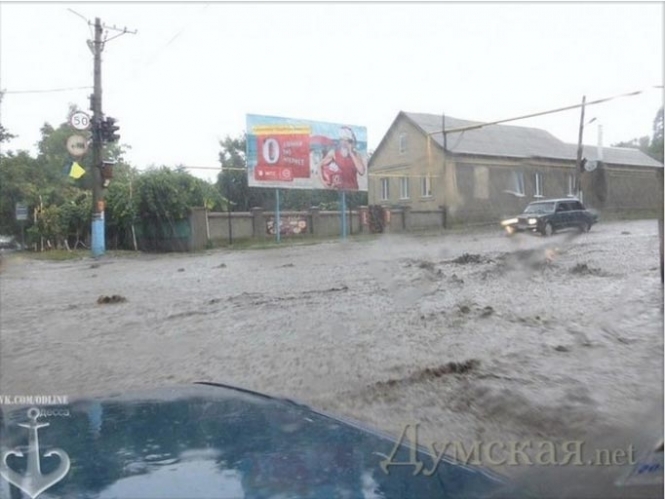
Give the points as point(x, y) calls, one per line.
point(539, 208)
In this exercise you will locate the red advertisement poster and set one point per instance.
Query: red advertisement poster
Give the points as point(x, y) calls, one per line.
point(282, 156)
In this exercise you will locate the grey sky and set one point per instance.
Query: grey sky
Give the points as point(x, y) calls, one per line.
point(193, 71)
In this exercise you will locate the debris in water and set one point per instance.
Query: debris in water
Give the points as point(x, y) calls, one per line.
point(551, 254)
point(487, 311)
point(468, 258)
point(625, 233)
point(426, 265)
point(288, 265)
point(584, 269)
point(561, 348)
point(456, 279)
point(464, 309)
point(221, 266)
point(430, 373)
point(105, 300)
point(94, 266)
point(181, 270)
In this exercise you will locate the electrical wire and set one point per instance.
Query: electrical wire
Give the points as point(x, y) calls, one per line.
point(48, 90)
point(557, 110)
point(173, 38)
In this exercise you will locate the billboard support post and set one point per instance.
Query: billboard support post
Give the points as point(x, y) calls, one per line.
point(277, 224)
point(343, 213)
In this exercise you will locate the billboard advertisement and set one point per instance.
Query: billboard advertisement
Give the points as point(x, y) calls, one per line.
point(291, 153)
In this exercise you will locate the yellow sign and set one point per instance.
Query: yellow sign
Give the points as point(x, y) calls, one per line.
point(76, 171)
point(280, 130)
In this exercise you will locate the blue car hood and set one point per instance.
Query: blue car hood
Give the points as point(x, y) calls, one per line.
point(214, 441)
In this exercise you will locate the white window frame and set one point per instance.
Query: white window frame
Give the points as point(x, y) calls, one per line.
point(538, 185)
point(404, 188)
point(402, 143)
point(481, 182)
point(518, 181)
point(426, 186)
point(571, 186)
point(385, 189)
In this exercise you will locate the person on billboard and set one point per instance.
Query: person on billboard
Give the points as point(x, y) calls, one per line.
point(339, 169)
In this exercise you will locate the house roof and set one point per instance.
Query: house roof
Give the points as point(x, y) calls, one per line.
point(517, 142)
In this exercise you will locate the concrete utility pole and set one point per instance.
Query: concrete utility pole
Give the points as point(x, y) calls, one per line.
point(98, 230)
point(578, 163)
point(102, 131)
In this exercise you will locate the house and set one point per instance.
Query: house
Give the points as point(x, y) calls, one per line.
point(484, 174)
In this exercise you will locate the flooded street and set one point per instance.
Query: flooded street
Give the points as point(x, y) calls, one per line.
point(473, 335)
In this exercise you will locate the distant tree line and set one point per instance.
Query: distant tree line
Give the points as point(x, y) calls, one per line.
point(60, 206)
point(652, 146)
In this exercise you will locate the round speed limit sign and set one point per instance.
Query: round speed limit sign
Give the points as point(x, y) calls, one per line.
point(80, 120)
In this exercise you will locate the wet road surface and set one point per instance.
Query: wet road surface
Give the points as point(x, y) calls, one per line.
point(473, 335)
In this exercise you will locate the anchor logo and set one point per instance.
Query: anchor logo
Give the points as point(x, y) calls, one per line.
point(34, 483)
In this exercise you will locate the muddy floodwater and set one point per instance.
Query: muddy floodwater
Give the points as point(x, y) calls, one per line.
point(473, 335)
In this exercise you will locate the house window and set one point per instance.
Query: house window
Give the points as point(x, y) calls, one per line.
point(481, 184)
point(538, 183)
point(402, 143)
point(426, 186)
point(571, 185)
point(385, 189)
point(516, 184)
point(404, 188)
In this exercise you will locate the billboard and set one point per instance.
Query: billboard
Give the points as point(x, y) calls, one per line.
point(291, 153)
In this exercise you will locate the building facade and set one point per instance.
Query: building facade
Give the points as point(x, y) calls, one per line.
point(477, 175)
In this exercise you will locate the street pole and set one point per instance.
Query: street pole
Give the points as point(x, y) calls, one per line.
point(444, 172)
point(228, 208)
point(98, 243)
point(578, 163)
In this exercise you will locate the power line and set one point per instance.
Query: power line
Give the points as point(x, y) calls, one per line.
point(43, 91)
point(557, 110)
point(173, 38)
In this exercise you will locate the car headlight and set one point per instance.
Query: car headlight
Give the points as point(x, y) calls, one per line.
point(510, 221)
point(532, 221)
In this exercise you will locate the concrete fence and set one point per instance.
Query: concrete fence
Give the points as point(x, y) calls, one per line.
point(215, 228)
point(205, 229)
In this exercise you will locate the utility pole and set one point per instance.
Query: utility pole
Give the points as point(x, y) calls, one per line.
point(578, 163)
point(98, 230)
point(102, 130)
point(446, 189)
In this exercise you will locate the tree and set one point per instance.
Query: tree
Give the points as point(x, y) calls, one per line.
point(652, 146)
point(232, 183)
point(642, 144)
point(5, 136)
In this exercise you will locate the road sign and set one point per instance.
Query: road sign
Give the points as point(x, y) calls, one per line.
point(80, 120)
point(21, 212)
point(77, 145)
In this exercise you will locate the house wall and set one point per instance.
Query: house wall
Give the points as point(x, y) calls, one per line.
point(417, 161)
point(474, 189)
point(486, 190)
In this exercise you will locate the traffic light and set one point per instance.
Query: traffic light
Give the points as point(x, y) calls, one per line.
point(109, 129)
point(107, 173)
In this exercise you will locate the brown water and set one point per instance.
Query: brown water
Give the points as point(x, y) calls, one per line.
point(473, 335)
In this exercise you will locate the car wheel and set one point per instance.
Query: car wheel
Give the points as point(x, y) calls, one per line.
point(585, 227)
point(548, 230)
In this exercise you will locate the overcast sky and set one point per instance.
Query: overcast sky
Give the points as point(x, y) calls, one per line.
point(193, 71)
